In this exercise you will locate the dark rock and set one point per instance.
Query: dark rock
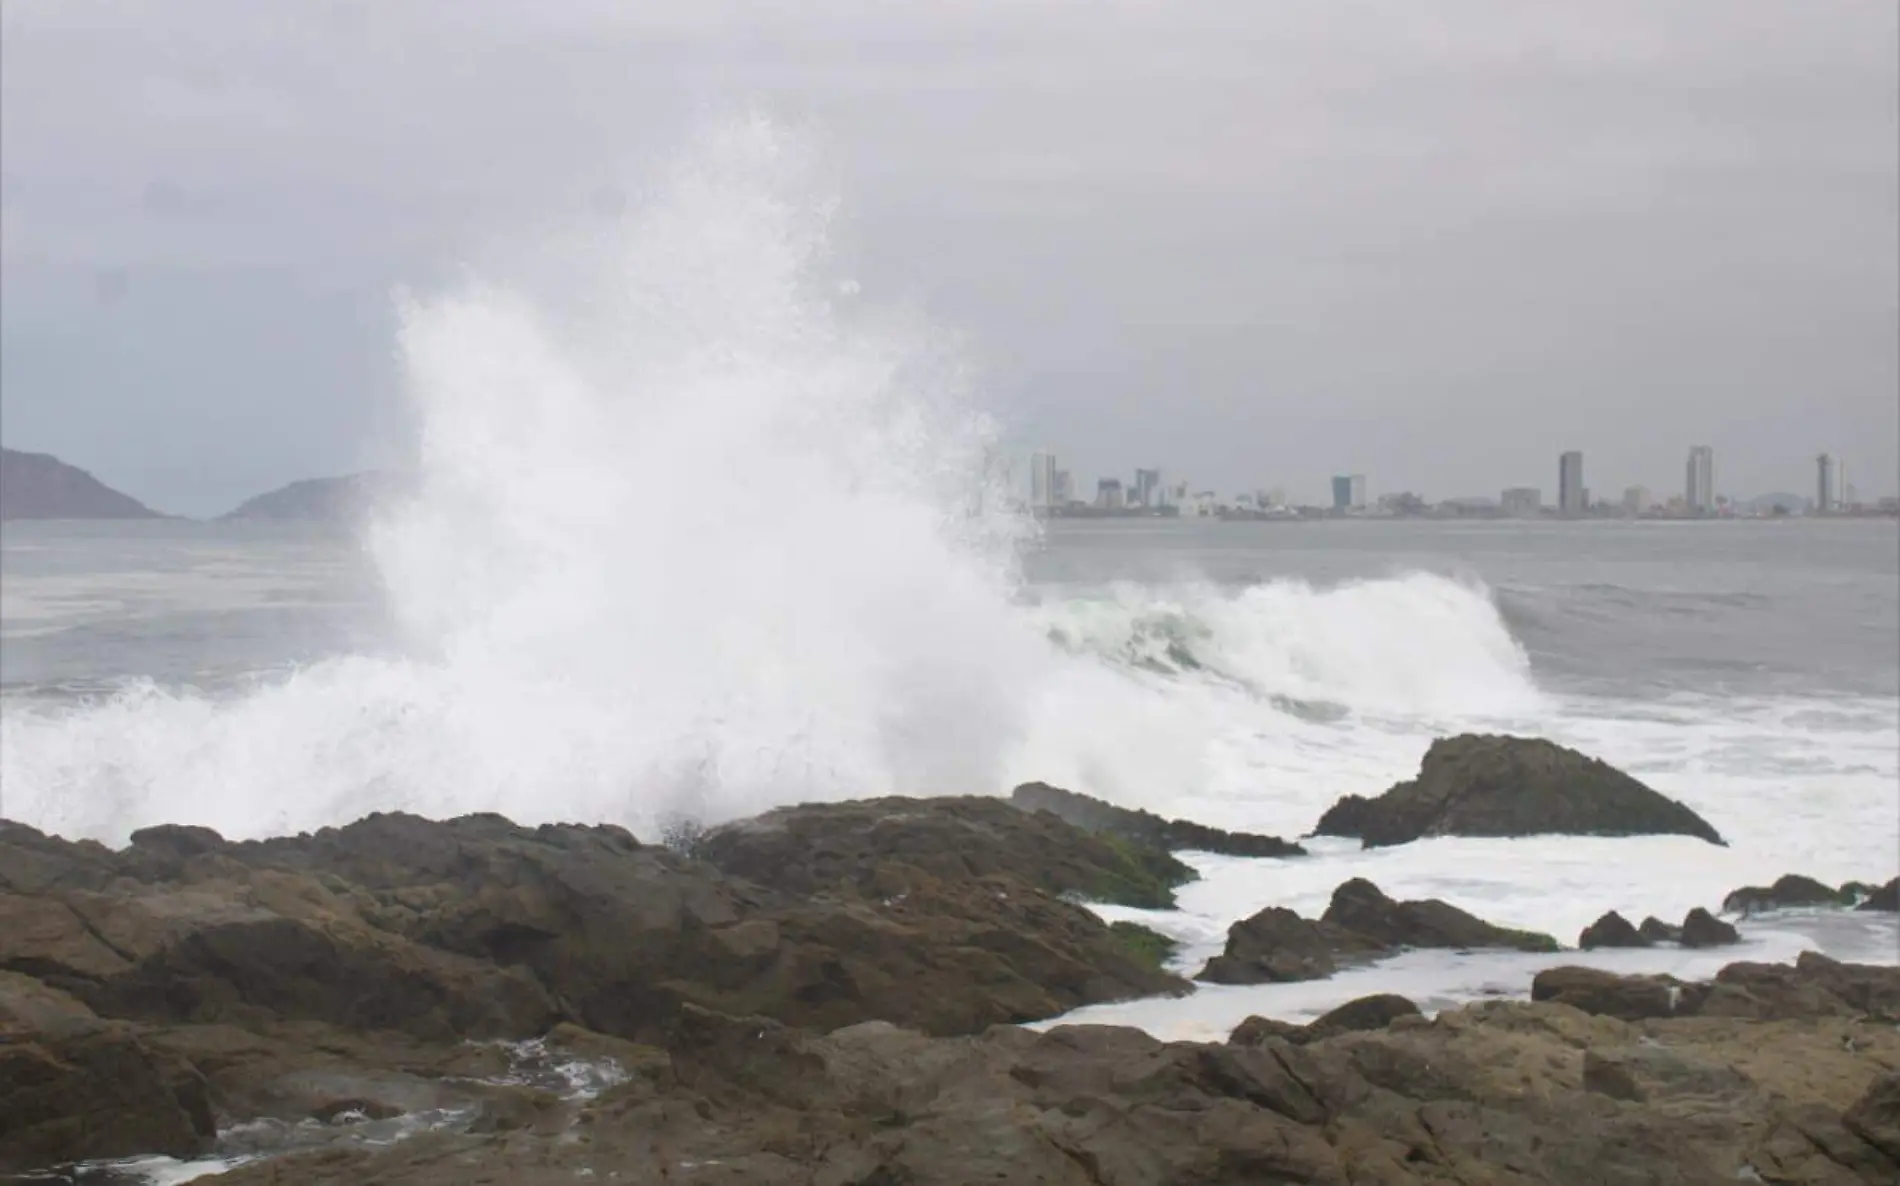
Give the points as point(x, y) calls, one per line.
point(1143, 827)
point(1361, 923)
point(1886, 898)
point(1511, 786)
point(827, 847)
point(1788, 892)
point(478, 928)
point(1627, 998)
point(1657, 931)
point(1612, 930)
point(1702, 929)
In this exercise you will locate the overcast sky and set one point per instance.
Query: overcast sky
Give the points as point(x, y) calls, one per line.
point(1253, 243)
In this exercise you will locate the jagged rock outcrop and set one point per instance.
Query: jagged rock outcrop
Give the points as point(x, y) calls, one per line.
point(1477, 785)
point(147, 996)
point(1500, 1092)
point(1360, 923)
point(1145, 827)
point(41, 486)
point(1791, 891)
point(479, 928)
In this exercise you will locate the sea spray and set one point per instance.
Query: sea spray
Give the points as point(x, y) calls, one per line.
point(696, 529)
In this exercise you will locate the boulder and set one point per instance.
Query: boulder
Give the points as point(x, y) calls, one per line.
point(1788, 892)
point(1146, 828)
point(1612, 930)
point(1606, 994)
point(1476, 785)
point(1657, 931)
point(1702, 929)
point(1886, 898)
point(1361, 923)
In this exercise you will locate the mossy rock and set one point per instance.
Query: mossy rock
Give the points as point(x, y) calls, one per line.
point(1142, 877)
point(1147, 947)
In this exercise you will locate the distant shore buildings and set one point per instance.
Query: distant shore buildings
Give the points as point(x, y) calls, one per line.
point(1052, 493)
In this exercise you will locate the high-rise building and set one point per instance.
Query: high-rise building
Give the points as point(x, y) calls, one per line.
point(1065, 488)
point(1571, 499)
point(1147, 487)
point(1108, 493)
point(1636, 500)
point(1699, 489)
point(1042, 480)
point(1826, 488)
point(1342, 493)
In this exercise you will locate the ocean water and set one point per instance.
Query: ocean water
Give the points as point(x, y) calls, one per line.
point(699, 528)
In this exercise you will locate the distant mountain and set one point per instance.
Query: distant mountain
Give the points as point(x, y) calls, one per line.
point(320, 499)
point(41, 486)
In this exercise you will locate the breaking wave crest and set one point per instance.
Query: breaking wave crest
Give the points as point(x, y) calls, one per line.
point(696, 529)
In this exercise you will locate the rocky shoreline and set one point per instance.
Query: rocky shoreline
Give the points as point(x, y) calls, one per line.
point(833, 993)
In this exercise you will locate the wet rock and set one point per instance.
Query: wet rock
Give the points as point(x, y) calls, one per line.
point(914, 911)
point(1702, 929)
point(76, 1088)
point(1788, 892)
point(1612, 930)
point(1276, 945)
point(1362, 909)
point(1476, 785)
point(1886, 898)
point(1143, 827)
point(1606, 994)
point(830, 847)
point(1361, 923)
point(1497, 1092)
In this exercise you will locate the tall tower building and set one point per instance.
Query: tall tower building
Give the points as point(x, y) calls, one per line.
point(1042, 480)
point(1147, 487)
point(1826, 485)
point(1571, 499)
point(1699, 489)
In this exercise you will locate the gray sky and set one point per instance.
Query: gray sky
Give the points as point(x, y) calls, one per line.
point(1252, 243)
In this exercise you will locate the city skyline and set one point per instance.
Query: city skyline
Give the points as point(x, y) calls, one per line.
point(1697, 492)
